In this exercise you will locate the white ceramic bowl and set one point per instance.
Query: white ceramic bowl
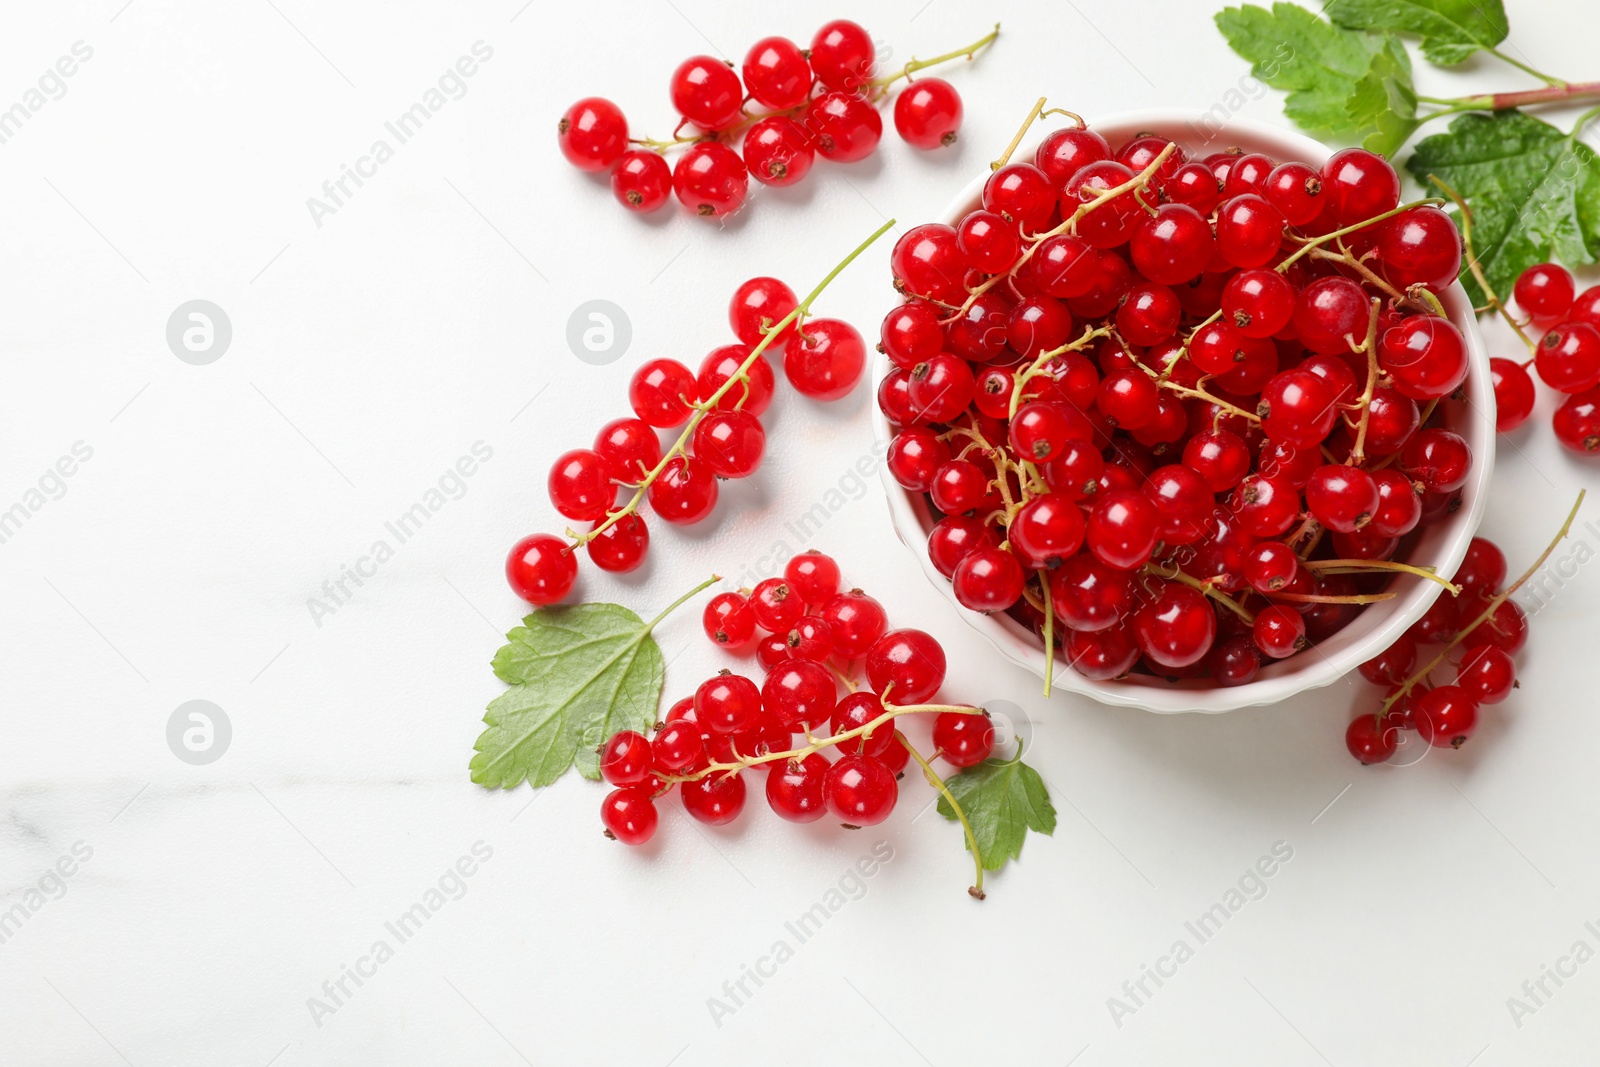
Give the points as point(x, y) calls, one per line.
point(1442, 545)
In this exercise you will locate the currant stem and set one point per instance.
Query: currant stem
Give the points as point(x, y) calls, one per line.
point(1358, 453)
point(1485, 615)
point(1177, 575)
point(1319, 598)
point(1313, 242)
point(676, 604)
point(1037, 366)
point(680, 446)
point(938, 783)
point(923, 64)
point(1039, 111)
point(1049, 633)
point(1358, 566)
point(1495, 303)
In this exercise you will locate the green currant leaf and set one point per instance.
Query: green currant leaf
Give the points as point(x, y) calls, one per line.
point(1451, 30)
point(1534, 192)
point(578, 675)
point(1384, 100)
point(1334, 77)
point(1003, 800)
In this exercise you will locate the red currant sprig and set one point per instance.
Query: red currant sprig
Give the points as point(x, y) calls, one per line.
point(822, 100)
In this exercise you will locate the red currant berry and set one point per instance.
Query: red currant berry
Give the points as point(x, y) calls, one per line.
point(1577, 422)
point(1358, 185)
point(1176, 627)
point(1220, 457)
point(580, 485)
point(1248, 174)
point(728, 704)
point(1298, 408)
point(1341, 497)
point(1270, 566)
point(911, 333)
point(625, 758)
point(1371, 740)
point(826, 360)
point(731, 443)
point(1279, 631)
point(1037, 324)
point(1194, 184)
point(1258, 303)
point(989, 242)
point(1586, 307)
point(1141, 151)
point(777, 73)
point(1149, 315)
point(1399, 507)
point(1545, 290)
point(1089, 595)
point(953, 537)
point(1438, 625)
point(1234, 661)
point(1330, 314)
point(1046, 531)
point(927, 113)
point(856, 711)
point(988, 580)
point(1249, 230)
point(1128, 398)
point(629, 815)
point(759, 305)
point(1023, 195)
point(842, 54)
point(706, 91)
point(1420, 247)
point(1506, 628)
point(844, 127)
point(914, 456)
point(795, 788)
point(1065, 152)
point(907, 666)
point(814, 576)
point(630, 448)
point(964, 739)
point(927, 262)
point(1483, 569)
point(1296, 190)
point(592, 134)
point(1438, 458)
point(1122, 529)
point(856, 621)
point(660, 393)
point(1446, 716)
point(1427, 357)
point(729, 620)
point(1172, 246)
point(642, 181)
point(1514, 394)
point(777, 605)
point(811, 639)
point(1393, 665)
point(777, 151)
point(941, 388)
point(1111, 222)
point(1487, 673)
point(1265, 506)
point(800, 691)
point(541, 569)
point(860, 791)
point(685, 492)
point(710, 179)
point(753, 389)
point(772, 650)
point(1100, 655)
point(1392, 417)
point(716, 799)
point(1568, 359)
point(620, 547)
point(677, 746)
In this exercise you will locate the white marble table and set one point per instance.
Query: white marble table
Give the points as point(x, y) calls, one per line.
point(231, 912)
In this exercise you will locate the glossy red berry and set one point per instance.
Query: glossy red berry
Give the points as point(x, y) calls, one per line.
point(1122, 529)
point(1393, 665)
point(988, 580)
point(1089, 595)
point(1172, 246)
point(716, 799)
point(660, 393)
point(642, 181)
point(620, 547)
point(1065, 152)
point(778, 151)
point(964, 739)
point(1022, 194)
point(625, 758)
point(1341, 498)
point(677, 746)
point(1447, 716)
point(1577, 422)
point(1420, 247)
point(907, 666)
point(1270, 566)
point(856, 711)
point(592, 134)
point(795, 788)
point(1487, 673)
point(1046, 530)
point(728, 704)
point(777, 73)
point(729, 620)
point(731, 443)
point(757, 306)
point(844, 127)
point(1298, 408)
point(1100, 655)
point(856, 621)
point(814, 576)
point(1148, 315)
point(685, 492)
point(706, 91)
point(777, 605)
point(752, 388)
point(1265, 506)
point(1545, 290)
point(927, 262)
point(1506, 628)
point(1438, 458)
point(1249, 230)
point(541, 569)
point(580, 485)
point(860, 791)
point(1220, 457)
point(911, 333)
point(927, 113)
point(1330, 314)
point(914, 456)
point(629, 815)
point(1399, 507)
point(1358, 185)
point(1296, 190)
point(1514, 394)
point(1371, 740)
point(710, 179)
point(953, 537)
point(800, 691)
point(1234, 661)
point(1176, 627)
point(1483, 569)
point(842, 55)
point(826, 360)
point(1568, 359)
point(1112, 222)
point(629, 447)
point(1258, 303)
point(1427, 356)
point(989, 242)
point(1279, 631)
point(941, 388)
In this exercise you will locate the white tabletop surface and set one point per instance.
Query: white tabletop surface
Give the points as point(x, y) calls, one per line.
point(207, 905)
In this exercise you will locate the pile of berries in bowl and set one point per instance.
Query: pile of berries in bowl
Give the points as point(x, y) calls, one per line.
point(1204, 413)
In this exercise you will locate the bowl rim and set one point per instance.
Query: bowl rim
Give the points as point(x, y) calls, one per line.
point(1289, 677)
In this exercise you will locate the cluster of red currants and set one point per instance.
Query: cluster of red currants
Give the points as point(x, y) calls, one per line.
point(719, 410)
point(806, 634)
point(1177, 414)
point(818, 101)
point(1566, 357)
point(1485, 624)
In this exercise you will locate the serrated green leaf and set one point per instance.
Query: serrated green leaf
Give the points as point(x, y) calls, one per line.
point(578, 674)
point(1290, 48)
point(1384, 100)
point(1533, 189)
point(1451, 30)
point(1002, 800)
